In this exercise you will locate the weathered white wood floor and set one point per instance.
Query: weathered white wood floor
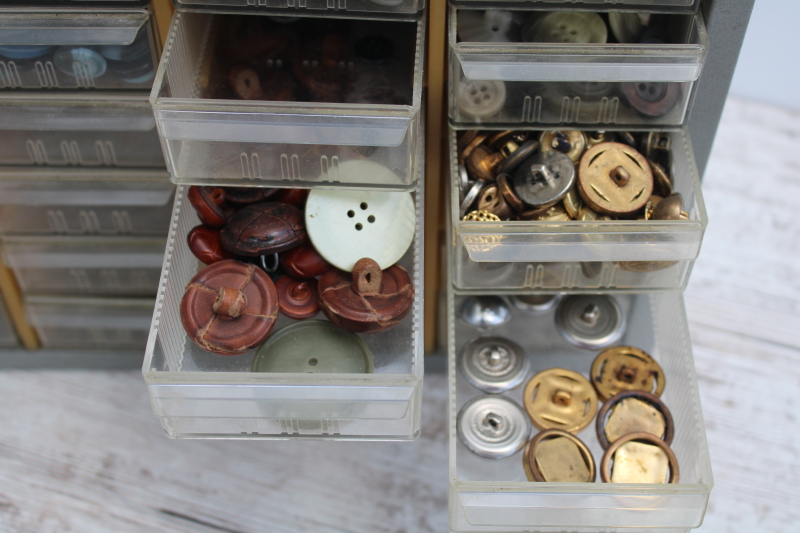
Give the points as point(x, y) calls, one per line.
point(81, 451)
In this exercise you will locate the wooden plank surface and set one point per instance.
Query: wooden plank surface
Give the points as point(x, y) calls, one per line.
point(81, 451)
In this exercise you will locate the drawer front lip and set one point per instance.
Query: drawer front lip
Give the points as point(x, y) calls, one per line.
point(405, 9)
point(651, 6)
point(68, 27)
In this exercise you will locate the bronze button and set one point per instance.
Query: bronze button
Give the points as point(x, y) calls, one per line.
point(559, 457)
point(493, 202)
point(597, 137)
point(588, 214)
point(614, 179)
point(505, 189)
point(623, 368)
point(662, 184)
point(656, 144)
point(470, 143)
point(639, 458)
point(558, 398)
point(482, 163)
point(633, 412)
point(570, 143)
point(670, 208)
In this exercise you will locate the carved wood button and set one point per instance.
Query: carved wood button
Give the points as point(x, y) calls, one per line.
point(558, 398)
point(248, 195)
point(626, 368)
point(614, 179)
point(369, 300)
point(204, 243)
point(297, 299)
point(229, 307)
point(263, 229)
point(209, 202)
point(304, 262)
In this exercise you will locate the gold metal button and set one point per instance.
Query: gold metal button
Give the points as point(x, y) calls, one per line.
point(639, 458)
point(614, 179)
point(633, 412)
point(597, 137)
point(624, 368)
point(554, 213)
point(569, 142)
point(559, 457)
point(662, 184)
point(573, 203)
point(468, 142)
point(480, 216)
point(656, 144)
point(558, 398)
point(670, 208)
point(482, 163)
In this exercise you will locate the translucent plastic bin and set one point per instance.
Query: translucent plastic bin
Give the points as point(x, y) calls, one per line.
point(64, 322)
point(71, 48)
point(491, 495)
point(211, 138)
point(654, 6)
point(8, 335)
point(342, 8)
point(119, 266)
point(88, 130)
point(603, 241)
point(80, 202)
point(197, 394)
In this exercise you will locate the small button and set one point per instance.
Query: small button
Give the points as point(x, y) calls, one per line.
point(480, 216)
point(505, 188)
point(493, 202)
point(590, 321)
point(639, 458)
point(263, 229)
point(535, 304)
point(493, 427)
point(472, 196)
point(559, 457)
point(633, 412)
point(344, 225)
point(470, 140)
point(493, 364)
point(652, 99)
point(517, 156)
point(484, 312)
point(209, 203)
point(297, 298)
point(490, 26)
point(565, 27)
point(655, 145)
point(204, 243)
point(558, 398)
point(482, 163)
point(670, 208)
point(625, 368)
point(614, 179)
point(481, 100)
point(304, 262)
point(544, 179)
point(570, 142)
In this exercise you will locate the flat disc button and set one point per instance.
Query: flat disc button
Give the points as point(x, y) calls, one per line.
point(570, 142)
point(590, 321)
point(565, 27)
point(481, 100)
point(493, 364)
point(558, 398)
point(493, 427)
point(557, 456)
point(634, 412)
point(625, 368)
point(614, 179)
point(544, 179)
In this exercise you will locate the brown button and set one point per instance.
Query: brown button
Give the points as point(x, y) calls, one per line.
point(493, 202)
point(262, 229)
point(652, 99)
point(297, 299)
point(248, 195)
point(639, 458)
point(295, 197)
point(558, 398)
point(626, 368)
point(614, 179)
point(559, 457)
point(633, 412)
point(468, 142)
point(304, 262)
point(507, 191)
point(209, 202)
point(204, 243)
point(229, 307)
point(482, 163)
point(369, 300)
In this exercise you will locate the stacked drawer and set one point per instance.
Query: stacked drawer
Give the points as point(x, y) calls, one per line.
point(315, 98)
point(609, 87)
point(85, 200)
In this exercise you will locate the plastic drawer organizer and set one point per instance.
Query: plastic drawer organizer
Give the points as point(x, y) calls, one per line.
point(71, 48)
point(80, 202)
point(580, 256)
point(681, 6)
point(65, 322)
point(86, 265)
point(348, 8)
point(641, 85)
point(8, 335)
point(211, 138)
point(198, 394)
point(493, 495)
point(84, 129)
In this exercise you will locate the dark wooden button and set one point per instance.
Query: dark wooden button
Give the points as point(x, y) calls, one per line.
point(297, 298)
point(209, 202)
point(248, 195)
point(295, 197)
point(304, 262)
point(262, 229)
point(321, 67)
point(229, 307)
point(204, 242)
point(368, 300)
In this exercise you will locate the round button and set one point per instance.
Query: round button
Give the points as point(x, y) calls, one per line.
point(493, 364)
point(569, 142)
point(639, 458)
point(628, 27)
point(263, 229)
point(471, 196)
point(209, 203)
point(535, 304)
point(507, 191)
point(565, 27)
point(297, 298)
point(652, 99)
point(24, 51)
point(248, 195)
point(670, 208)
point(544, 179)
point(493, 427)
point(573, 203)
point(480, 216)
point(493, 202)
point(481, 100)
point(304, 262)
point(590, 321)
point(625, 368)
point(296, 349)
point(614, 179)
point(204, 243)
point(346, 225)
point(79, 62)
point(490, 26)
point(463, 181)
point(485, 311)
point(560, 457)
point(517, 157)
point(633, 412)
point(558, 398)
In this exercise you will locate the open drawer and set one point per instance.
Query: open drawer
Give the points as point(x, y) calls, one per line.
point(657, 6)
point(336, 8)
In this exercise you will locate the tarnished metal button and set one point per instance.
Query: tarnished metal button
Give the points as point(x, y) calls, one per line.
point(554, 213)
point(587, 214)
point(463, 181)
point(535, 304)
point(573, 203)
point(597, 137)
point(480, 216)
point(662, 184)
point(565, 27)
point(481, 100)
point(471, 196)
point(624, 368)
point(571, 143)
point(652, 99)
point(490, 26)
point(470, 140)
point(557, 456)
point(485, 311)
point(493, 202)
point(507, 191)
point(670, 208)
point(558, 398)
point(493, 364)
point(516, 157)
point(656, 144)
point(544, 179)
point(639, 458)
point(482, 163)
point(493, 427)
point(614, 179)
point(633, 412)
point(590, 321)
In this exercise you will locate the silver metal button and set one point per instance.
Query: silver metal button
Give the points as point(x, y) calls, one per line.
point(485, 311)
point(590, 321)
point(535, 304)
point(493, 427)
point(490, 26)
point(565, 27)
point(544, 179)
point(470, 197)
point(493, 364)
point(463, 182)
point(481, 100)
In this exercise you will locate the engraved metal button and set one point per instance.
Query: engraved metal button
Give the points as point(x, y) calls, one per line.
point(535, 304)
point(481, 100)
point(493, 427)
point(614, 179)
point(639, 458)
point(633, 412)
point(624, 368)
point(560, 457)
point(544, 179)
point(565, 27)
point(490, 26)
point(558, 398)
point(590, 321)
point(493, 364)
point(570, 142)
point(652, 99)
point(485, 311)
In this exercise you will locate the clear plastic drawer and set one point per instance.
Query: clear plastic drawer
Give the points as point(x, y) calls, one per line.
point(8, 335)
point(197, 394)
point(493, 495)
point(341, 8)
point(64, 48)
point(80, 202)
point(672, 6)
point(323, 137)
point(120, 266)
point(88, 130)
point(64, 322)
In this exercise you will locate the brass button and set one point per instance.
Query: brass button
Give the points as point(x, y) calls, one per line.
point(468, 142)
point(639, 458)
point(554, 213)
point(633, 412)
point(481, 100)
point(559, 457)
point(480, 216)
point(493, 364)
point(543, 179)
point(565, 27)
point(491, 201)
point(662, 184)
point(482, 163)
point(626, 368)
point(573, 203)
point(670, 208)
point(656, 144)
point(507, 191)
point(558, 398)
point(569, 142)
point(493, 427)
point(587, 214)
point(590, 321)
point(597, 137)
point(614, 179)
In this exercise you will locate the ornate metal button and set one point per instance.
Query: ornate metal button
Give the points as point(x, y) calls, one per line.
point(472, 196)
point(625, 368)
point(535, 304)
point(614, 179)
point(297, 298)
point(590, 321)
point(304, 262)
point(633, 412)
point(559, 457)
point(493, 427)
point(263, 229)
point(569, 142)
point(490, 26)
point(480, 216)
point(652, 99)
point(639, 458)
point(205, 244)
point(558, 398)
point(484, 312)
point(544, 179)
point(493, 202)
point(565, 27)
point(481, 100)
point(493, 364)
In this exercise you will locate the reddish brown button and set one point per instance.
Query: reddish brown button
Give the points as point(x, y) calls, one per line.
point(304, 262)
point(209, 203)
point(297, 298)
point(295, 197)
point(248, 195)
point(263, 229)
point(204, 242)
point(229, 307)
point(369, 300)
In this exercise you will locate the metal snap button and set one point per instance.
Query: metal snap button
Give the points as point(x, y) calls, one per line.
point(535, 304)
point(481, 100)
point(633, 412)
point(565, 27)
point(344, 225)
point(490, 26)
point(652, 99)
point(558, 398)
point(614, 179)
point(493, 364)
point(484, 312)
point(559, 457)
point(569, 142)
point(543, 179)
point(624, 368)
point(493, 427)
point(639, 458)
point(590, 321)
